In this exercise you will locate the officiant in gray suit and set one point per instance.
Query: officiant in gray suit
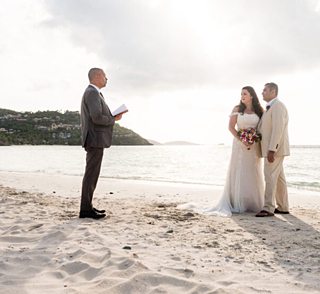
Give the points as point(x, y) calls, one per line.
point(96, 131)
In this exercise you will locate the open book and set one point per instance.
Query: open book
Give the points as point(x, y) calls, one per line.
point(121, 109)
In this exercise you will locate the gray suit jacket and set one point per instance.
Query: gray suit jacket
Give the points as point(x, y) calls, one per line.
point(273, 127)
point(96, 120)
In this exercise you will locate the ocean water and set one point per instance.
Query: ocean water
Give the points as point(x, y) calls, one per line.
point(200, 164)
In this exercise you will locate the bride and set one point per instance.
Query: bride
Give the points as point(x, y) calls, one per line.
point(244, 187)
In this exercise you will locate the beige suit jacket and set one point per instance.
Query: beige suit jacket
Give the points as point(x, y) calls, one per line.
point(273, 127)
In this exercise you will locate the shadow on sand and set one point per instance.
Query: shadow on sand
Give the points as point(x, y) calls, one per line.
point(294, 244)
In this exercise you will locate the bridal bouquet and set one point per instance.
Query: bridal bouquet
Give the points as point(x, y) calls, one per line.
point(249, 136)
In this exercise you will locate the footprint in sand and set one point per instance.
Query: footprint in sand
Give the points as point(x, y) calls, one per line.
point(35, 227)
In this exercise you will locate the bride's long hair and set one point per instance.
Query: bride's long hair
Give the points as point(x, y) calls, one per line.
point(257, 108)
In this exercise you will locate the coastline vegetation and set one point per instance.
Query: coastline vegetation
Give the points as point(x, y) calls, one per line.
point(53, 128)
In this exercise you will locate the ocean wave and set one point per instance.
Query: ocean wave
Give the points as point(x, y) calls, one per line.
point(137, 178)
point(310, 186)
point(205, 165)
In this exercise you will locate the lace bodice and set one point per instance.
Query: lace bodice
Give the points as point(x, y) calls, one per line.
point(246, 120)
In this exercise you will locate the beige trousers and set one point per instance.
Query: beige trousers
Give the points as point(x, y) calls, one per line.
point(276, 186)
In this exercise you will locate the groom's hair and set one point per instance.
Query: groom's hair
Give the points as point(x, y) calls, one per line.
point(93, 72)
point(272, 86)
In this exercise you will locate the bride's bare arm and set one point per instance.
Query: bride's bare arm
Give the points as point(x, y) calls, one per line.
point(233, 122)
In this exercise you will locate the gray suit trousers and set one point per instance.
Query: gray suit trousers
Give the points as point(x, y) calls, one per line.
point(90, 178)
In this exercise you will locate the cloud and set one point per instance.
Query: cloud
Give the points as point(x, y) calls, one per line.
point(179, 65)
point(172, 44)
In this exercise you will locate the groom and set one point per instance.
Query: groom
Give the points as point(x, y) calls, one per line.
point(274, 146)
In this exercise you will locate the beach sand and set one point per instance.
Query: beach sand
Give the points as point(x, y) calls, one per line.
point(147, 245)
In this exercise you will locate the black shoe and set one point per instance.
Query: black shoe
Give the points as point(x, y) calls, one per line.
point(281, 212)
point(91, 214)
point(99, 211)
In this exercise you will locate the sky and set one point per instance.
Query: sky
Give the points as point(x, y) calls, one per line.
point(178, 65)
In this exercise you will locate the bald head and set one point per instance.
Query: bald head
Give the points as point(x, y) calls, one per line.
point(97, 77)
point(93, 73)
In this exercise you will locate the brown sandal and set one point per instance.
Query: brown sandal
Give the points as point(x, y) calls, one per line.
point(264, 213)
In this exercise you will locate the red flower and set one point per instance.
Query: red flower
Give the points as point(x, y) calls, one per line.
point(249, 136)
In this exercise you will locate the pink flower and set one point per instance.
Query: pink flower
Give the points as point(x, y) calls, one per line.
point(249, 136)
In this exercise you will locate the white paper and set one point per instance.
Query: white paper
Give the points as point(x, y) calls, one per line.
point(121, 109)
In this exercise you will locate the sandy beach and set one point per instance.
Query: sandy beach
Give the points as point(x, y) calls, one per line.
point(146, 244)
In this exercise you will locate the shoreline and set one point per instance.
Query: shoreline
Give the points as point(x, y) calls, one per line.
point(48, 249)
point(208, 166)
point(70, 186)
point(138, 181)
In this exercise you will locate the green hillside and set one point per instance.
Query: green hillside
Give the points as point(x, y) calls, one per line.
point(53, 128)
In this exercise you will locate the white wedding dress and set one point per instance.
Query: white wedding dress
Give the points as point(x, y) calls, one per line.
point(244, 187)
